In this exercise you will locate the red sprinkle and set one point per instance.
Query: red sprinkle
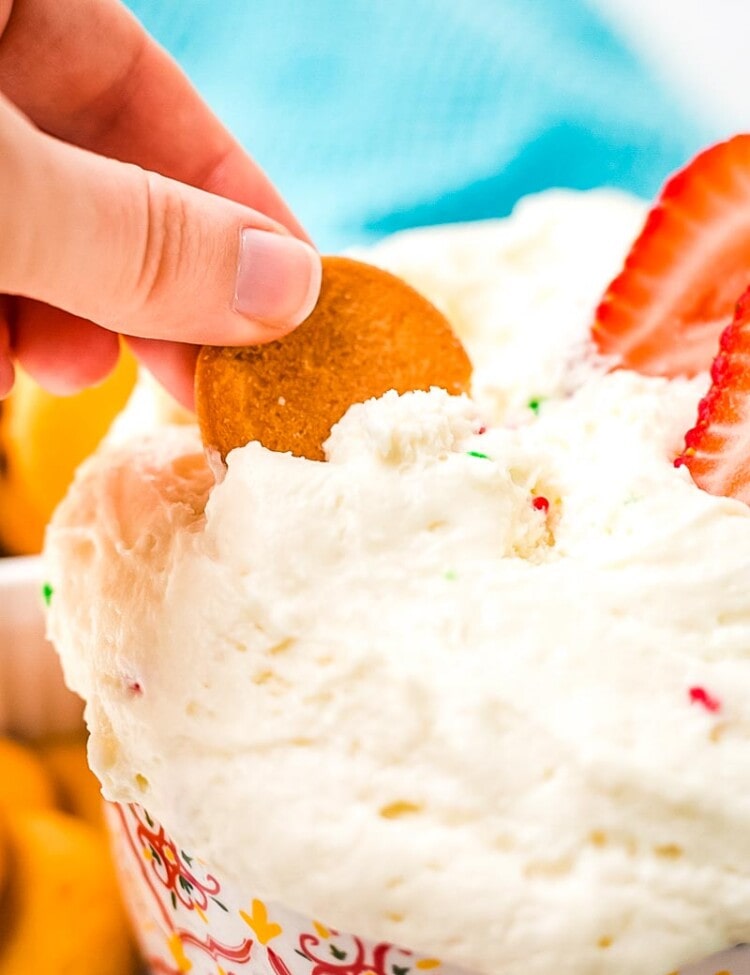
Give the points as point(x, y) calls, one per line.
point(699, 695)
point(135, 688)
point(481, 430)
point(541, 503)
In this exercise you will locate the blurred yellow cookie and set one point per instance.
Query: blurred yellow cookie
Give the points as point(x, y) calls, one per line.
point(60, 912)
point(77, 787)
point(24, 782)
point(4, 863)
point(43, 438)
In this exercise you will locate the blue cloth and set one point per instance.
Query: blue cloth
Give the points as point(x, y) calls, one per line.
point(374, 115)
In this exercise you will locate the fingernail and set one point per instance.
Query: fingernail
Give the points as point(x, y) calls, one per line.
point(278, 278)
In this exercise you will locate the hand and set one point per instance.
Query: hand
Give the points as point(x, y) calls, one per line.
point(88, 237)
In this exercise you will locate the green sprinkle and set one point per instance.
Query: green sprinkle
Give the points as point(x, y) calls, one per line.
point(535, 404)
point(450, 575)
point(479, 454)
point(47, 591)
point(633, 499)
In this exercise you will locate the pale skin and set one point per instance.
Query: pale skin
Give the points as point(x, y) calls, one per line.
point(125, 206)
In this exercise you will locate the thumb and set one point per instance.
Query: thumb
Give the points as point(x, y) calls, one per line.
point(142, 254)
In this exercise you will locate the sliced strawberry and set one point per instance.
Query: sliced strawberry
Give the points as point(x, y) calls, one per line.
point(717, 449)
point(663, 313)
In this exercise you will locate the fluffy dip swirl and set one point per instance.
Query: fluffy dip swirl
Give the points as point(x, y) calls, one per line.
point(479, 683)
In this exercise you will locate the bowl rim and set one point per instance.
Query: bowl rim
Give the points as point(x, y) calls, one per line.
point(15, 569)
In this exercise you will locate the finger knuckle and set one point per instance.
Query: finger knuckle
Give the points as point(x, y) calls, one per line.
point(163, 243)
point(16, 199)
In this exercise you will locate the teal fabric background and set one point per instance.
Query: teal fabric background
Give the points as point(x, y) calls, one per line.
point(374, 115)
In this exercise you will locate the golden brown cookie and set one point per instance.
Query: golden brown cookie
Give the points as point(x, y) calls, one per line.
point(370, 332)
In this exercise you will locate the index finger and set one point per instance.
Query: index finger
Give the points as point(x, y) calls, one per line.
point(87, 72)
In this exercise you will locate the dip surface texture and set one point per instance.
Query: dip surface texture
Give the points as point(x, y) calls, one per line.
point(478, 684)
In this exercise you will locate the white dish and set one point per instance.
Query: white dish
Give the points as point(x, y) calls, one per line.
point(33, 698)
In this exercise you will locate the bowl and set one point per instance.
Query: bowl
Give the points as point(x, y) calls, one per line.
point(34, 700)
point(186, 917)
point(189, 920)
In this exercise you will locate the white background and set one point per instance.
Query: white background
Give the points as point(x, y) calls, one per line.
point(700, 47)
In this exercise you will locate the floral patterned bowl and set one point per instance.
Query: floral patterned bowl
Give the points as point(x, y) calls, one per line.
point(188, 920)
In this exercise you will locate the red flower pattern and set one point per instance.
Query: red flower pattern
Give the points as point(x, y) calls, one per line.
point(189, 922)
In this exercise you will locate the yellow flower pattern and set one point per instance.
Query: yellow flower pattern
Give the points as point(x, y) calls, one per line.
point(177, 951)
point(264, 929)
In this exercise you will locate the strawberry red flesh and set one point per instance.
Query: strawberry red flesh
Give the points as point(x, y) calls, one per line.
point(717, 449)
point(663, 314)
